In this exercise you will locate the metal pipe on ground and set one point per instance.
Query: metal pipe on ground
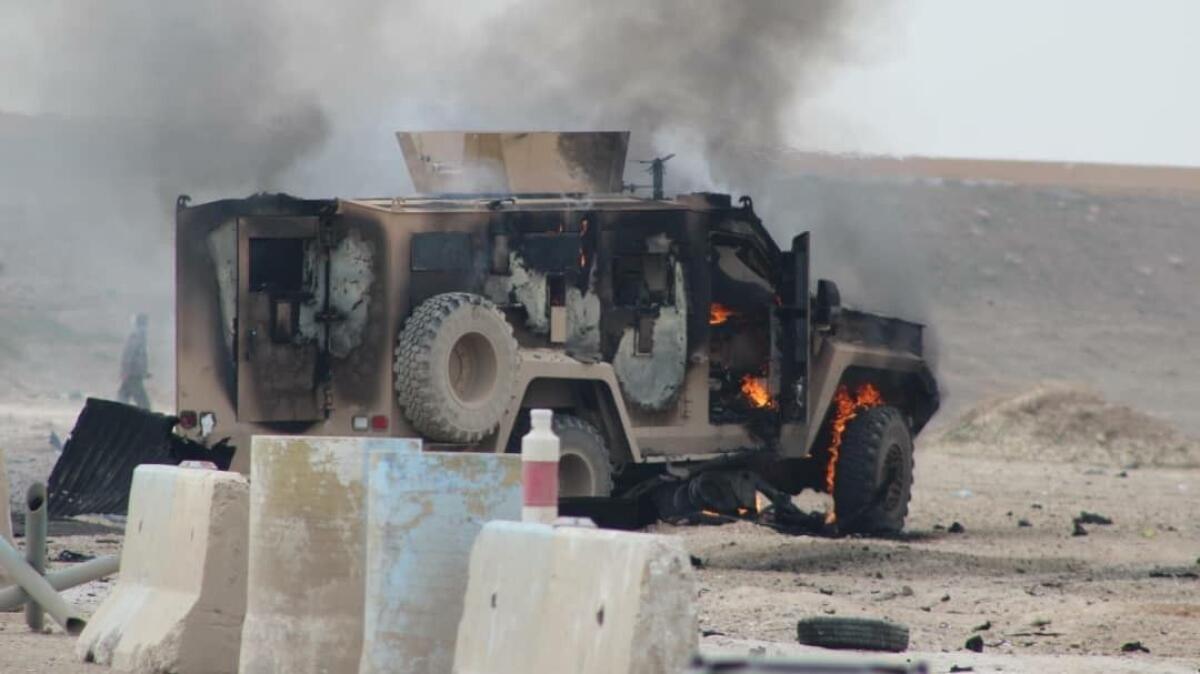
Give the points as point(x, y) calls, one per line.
point(35, 548)
point(63, 579)
point(40, 589)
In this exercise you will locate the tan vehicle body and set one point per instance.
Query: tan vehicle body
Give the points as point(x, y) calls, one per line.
point(288, 313)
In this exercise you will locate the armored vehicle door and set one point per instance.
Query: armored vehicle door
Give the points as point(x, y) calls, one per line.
point(277, 364)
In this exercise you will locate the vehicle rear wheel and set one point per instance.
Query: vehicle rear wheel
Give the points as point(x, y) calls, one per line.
point(456, 363)
point(584, 464)
point(874, 473)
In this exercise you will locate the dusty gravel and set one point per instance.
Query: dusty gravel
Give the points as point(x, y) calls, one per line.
point(1043, 591)
point(1055, 602)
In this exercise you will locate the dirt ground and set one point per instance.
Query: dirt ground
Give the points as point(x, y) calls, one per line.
point(1054, 601)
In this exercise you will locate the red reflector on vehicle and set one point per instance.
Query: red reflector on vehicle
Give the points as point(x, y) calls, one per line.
point(379, 422)
point(187, 419)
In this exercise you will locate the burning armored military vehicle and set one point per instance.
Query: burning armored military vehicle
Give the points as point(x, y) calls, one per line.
point(675, 339)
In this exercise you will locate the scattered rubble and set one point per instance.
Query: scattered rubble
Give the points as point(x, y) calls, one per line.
point(1134, 647)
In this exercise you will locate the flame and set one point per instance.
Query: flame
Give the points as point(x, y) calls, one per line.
point(711, 513)
point(760, 502)
point(845, 408)
point(755, 390)
point(718, 313)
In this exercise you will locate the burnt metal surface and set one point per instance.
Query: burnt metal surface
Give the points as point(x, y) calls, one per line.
point(95, 470)
point(866, 328)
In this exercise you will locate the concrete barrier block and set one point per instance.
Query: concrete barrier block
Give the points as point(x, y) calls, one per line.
point(424, 510)
point(586, 601)
point(180, 597)
point(304, 608)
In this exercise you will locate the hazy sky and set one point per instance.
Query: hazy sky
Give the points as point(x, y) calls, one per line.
point(1089, 80)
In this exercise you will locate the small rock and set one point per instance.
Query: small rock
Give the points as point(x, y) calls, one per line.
point(1024, 523)
point(982, 628)
point(1086, 517)
point(1134, 647)
point(1035, 506)
point(1123, 473)
point(697, 563)
point(975, 643)
point(829, 610)
point(907, 591)
point(1079, 530)
point(956, 668)
point(72, 556)
point(957, 528)
point(945, 597)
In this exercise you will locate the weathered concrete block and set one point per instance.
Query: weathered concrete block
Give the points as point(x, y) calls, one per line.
point(545, 599)
point(423, 514)
point(304, 608)
point(179, 601)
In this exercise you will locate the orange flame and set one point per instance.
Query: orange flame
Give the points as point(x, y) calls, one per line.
point(755, 390)
point(760, 502)
point(718, 313)
point(845, 408)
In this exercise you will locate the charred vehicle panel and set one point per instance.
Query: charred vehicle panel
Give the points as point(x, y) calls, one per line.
point(662, 331)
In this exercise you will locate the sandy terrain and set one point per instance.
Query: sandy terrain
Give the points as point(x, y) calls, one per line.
point(1053, 600)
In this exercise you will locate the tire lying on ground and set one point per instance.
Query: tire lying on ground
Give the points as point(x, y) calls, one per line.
point(456, 364)
point(874, 473)
point(865, 634)
point(584, 464)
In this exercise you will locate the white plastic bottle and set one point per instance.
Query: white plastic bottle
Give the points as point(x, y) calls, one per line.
point(539, 469)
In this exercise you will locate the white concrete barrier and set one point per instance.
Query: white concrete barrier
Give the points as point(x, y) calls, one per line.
point(180, 597)
point(304, 607)
point(423, 514)
point(584, 601)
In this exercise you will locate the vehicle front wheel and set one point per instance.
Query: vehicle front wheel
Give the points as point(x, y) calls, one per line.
point(874, 473)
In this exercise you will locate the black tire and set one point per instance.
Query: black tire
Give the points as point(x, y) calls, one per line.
point(456, 364)
point(874, 473)
point(867, 634)
point(584, 464)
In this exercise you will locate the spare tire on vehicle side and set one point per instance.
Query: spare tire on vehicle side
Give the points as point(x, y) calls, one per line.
point(456, 367)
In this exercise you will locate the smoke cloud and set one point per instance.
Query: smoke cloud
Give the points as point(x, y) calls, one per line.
point(131, 102)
